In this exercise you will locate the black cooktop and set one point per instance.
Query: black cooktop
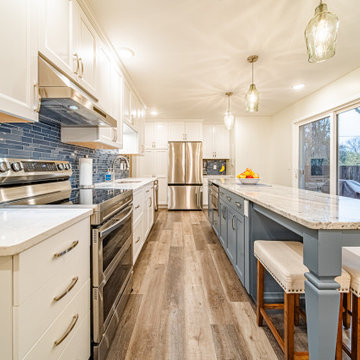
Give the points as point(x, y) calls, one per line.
point(94, 196)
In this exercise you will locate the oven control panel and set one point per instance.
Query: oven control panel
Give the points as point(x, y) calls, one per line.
point(25, 170)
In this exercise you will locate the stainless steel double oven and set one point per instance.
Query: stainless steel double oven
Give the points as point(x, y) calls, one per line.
point(111, 275)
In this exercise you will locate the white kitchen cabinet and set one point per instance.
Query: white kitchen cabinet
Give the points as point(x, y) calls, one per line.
point(18, 86)
point(31, 318)
point(84, 45)
point(216, 143)
point(126, 102)
point(185, 131)
point(140, 127)
point(103, 76)
point(156, 134)
point(68, 40)
point(149, 209)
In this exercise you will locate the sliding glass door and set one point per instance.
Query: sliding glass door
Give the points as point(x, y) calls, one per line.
point(348, 158)
point(314, 156)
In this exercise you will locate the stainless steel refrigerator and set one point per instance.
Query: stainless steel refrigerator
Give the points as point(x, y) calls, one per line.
point(185, 175)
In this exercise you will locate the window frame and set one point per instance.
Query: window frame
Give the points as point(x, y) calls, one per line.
point(333, 115)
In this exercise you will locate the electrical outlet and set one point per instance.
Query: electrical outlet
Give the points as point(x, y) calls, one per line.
point(214, 167)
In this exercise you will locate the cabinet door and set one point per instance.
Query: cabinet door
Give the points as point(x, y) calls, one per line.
point(208, 142)
point(126, 102)
point(160, 135)
point(176, 131)
point(116, 86)
point(149, 130)
point(162, 189)
point(159, 163)
point(103, 77)
point(223, 224)
point(56, 34)
point(18, 92)
point(193, 131)
point(240, 248)
point(145, 164)
point(231, 231)
point(221, 142)
point(85, 47)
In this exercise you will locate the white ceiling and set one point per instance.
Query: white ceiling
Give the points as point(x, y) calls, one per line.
point(189, 52)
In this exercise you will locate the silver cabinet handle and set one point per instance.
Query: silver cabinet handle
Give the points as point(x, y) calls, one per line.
point(136, 207)
point(238, 204)
point(81, 74)
point(228, 198)
point(138, 239)
point(68, 289)
point(61, 253)
point(150, 202)
point(224, 210)
point(232, 223)
point(68, 330)
point(76, 58)
point(114, 134)
point(37, 97)
point(147, 191)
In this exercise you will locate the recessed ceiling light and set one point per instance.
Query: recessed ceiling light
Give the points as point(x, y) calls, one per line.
point(298, 86)
point(126, 53)
point(154, 113)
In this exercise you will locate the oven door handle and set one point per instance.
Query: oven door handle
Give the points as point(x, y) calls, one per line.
point(117, 210)
point(115, 225)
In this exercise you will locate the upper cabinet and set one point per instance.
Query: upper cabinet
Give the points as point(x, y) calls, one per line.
point(19, 98)
point(67, 39)
point(156, 135)
point(216, 144)
point(127, 103)
point(185, 131)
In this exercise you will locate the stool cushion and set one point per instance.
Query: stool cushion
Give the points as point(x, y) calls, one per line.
point(284, 261)
point(351, 263)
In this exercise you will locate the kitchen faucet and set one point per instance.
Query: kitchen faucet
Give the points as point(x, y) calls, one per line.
point(121, 158)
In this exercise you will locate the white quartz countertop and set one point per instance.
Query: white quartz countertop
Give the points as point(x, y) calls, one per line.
point(132, 183)
point(22, 228)
point(311, 209)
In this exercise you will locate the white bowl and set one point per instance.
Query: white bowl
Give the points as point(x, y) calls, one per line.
point(249, 181)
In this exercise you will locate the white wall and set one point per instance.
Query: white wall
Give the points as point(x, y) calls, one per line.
point(251, 145)
point(337, 93)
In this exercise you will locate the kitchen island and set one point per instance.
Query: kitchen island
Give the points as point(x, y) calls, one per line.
point(324, 223)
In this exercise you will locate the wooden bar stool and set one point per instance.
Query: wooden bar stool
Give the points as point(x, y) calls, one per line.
point(351, 263)
point(284, 262)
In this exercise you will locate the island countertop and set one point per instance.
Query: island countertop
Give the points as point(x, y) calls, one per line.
point(311, 209)
point(24, 227)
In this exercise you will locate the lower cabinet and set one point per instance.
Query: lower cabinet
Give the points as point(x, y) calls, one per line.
point(143, 218)
point(232, 234)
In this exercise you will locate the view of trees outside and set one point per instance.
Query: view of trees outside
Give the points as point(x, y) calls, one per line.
point(314, 159)
point(349, 153)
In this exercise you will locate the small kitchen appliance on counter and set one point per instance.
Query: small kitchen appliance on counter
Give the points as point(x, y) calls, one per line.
point(41, 182)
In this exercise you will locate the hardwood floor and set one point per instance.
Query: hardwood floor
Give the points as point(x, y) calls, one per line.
point(187, 302)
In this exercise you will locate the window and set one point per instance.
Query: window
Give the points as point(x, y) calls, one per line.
point(328, 152)
point(348, 158)
point(314, 151)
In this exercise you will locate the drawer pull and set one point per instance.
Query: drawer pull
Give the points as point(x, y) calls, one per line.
point(228, 198)
point(73, 245)
point(136, 207)
point(138, 239)
point(147, 191)
point(238, 204)
point(68, 330)
point(68, 289)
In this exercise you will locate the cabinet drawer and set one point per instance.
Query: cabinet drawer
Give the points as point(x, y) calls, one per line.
point(233, 200)
point(45, 348)
point(39, 310)
point(72, 243)
point(138, 204)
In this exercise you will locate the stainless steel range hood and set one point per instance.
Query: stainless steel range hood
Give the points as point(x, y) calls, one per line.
point(65, 102)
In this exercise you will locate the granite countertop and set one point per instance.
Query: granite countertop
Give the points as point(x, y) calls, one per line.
point(22, 228)
point(134, 184)
point(311, 209)
point(218, 176)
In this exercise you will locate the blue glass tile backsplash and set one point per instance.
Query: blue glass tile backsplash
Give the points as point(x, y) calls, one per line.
point(42, 141)
point(213, 167)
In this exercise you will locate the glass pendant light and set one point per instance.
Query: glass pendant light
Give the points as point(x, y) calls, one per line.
point(252, 96)
point(228, 116)
point(320, 34)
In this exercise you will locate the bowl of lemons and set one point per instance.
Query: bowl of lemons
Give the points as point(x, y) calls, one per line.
point(248, 177)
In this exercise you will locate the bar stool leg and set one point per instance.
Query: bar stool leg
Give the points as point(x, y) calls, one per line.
point(260, 293)
point(297, 307)
point(339, 340)
point(289, 306)
point(355, 327)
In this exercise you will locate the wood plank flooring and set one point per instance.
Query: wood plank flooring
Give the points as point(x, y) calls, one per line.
point(187, 302)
